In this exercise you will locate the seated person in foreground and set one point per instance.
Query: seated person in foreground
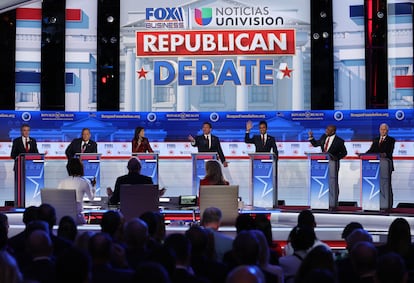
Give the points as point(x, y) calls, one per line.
point(214, 175)
point(77, 182)
point(133, 177)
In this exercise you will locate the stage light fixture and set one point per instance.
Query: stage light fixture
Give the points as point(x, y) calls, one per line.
point(110, 19)
point(52, 20)
point(323, 14)
point(113, 40)
point(316, 36)
point(380, 14)
point(104, 40)
point(325, 34)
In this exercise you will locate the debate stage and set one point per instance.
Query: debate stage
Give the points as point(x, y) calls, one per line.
point(329, 224)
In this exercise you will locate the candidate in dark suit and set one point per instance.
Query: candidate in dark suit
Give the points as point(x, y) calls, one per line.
point(133, 177)
point(335, 146)
point(24, 143)
point(384, 145)
point(262, 142)
point(82, 145)
point(208, 142)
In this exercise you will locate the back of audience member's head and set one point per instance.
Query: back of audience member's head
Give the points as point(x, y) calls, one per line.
point(82, 241)
point(244, 222)
point(37, 225)
point(349, 228)
point(151, 272)
point(3, 237)
point(73, 266)
point(264, 252)
point(246, 274)
point(39, 244)
point(358, 235)
point(198, 237)
point(111, 222)
point(180, 247)
point(100, 246)
point(320, 257)
point(156, 225)
point(391, 269)
point(364, 258)
point(75, 167)
point(320, 276)
point(246, 248)
point(4, 220)
point(30, 213)
point(399, 236)
point(135, 234)
point(9, 271)
point(47, 213)
point(302, 238)
point(306, 218)
point(262, 223)
point(211, 216)
point(67, 229)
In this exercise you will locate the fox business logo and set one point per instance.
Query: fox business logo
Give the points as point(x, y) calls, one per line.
point(164, 18)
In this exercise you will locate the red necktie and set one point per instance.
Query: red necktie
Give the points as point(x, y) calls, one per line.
point(27, 145)
point(263, 140)
point(325, 149)
point(381, 141)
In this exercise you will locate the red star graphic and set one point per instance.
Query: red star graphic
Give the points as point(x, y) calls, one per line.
point(286, 72)
point(142, 73)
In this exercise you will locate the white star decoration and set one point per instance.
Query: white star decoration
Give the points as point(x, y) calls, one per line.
point(374, 192)
point(322, 191)
point(262, 179)
point(32, 179)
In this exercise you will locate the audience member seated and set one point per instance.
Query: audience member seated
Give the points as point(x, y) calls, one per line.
point(100, 250)
point(112, 223)
point(391, 268)
point(262, 223)
point(133, 177)
point(77, 182)
point(73, 265)
point(214, 175)
point(42, 267)
point(320, 276)
point(302, 240)
point(246, 274)
point(156, 228)
point(244, 222)
point(4, 231)
point(211, 219)
point(9, 270)
point(180, 247)
point(67, 229)
point(135, 240)
point(399, 241)
point(349, 228)
point(318, 258)
point(305, 218)
point(364, 261)
point(151, 272)
point(203, 259)
point(264, 257)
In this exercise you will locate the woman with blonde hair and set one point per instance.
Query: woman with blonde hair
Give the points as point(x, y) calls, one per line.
point(214, 175)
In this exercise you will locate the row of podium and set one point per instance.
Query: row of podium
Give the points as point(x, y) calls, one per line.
point(375, 176)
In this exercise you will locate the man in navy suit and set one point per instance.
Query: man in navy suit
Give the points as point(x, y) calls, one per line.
point(384, 145)
point(263, 142)
point(208, 142)
point(81, 145)
point(335, 146)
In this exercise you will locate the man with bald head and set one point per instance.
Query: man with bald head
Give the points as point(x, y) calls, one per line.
point(384, 145)
point(246, 274)
point(335, 146)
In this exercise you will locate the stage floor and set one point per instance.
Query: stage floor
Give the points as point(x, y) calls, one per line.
point(329, 224)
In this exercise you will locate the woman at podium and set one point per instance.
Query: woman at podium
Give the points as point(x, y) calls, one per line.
point(214, 175)
point(140, 143)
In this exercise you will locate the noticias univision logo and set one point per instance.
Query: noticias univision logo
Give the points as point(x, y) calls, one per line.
point(164, 18)
point(203, 16)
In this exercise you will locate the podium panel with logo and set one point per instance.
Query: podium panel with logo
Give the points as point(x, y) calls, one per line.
point(323, 183)
point(199, 168)
point(375, 182)
point(263, 184)
point(149, 165)
point(30, 179)
point(92, 168)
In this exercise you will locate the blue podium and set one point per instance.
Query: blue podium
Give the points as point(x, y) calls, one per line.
point(323, 183)
point(149, 165)
point(263, 181)
point(92, 168)
point(30, 179)
point(375, 182)
point(199, 169)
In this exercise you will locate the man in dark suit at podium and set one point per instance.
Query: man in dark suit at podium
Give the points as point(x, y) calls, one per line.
point(384, 145)
point(263, 142)
point(208, 142)
point(82, 145)
point(335, 146)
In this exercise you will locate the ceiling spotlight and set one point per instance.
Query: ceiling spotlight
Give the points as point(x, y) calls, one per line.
point(323, 14)
point(316, 36)
point(110, 19)
point(325, 34)
point(380, 14)
point(113, 40)
point(52, 20)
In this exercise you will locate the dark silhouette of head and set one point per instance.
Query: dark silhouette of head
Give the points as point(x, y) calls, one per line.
point(246, 248)
point(134, 165)
point(100, 246)
point(306, 218)
point(47, 213)
point(67, 228)
point(73, 266)
point(244, 222)
point(75, 167)
point(349, 228)
point(302, 238)
point(111, 222)
point(30, 213)
point(180, 247)
point(391, 269)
